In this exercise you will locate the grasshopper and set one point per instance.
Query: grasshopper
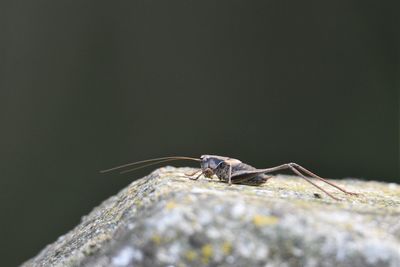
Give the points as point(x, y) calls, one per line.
point(233, 171)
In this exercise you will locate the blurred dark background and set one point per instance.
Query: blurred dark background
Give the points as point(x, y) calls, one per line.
point(85, 85)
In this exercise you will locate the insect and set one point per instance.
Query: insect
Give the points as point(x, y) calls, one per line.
point(233, 171)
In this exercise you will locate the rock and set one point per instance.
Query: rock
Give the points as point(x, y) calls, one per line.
point(165, 219)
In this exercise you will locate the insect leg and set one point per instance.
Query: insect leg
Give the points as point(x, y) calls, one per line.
point(230, 175)
point(294, 166)
point(193, 173)
point(322, 179)
point(245, 176)
point(224, 172)
point(266, 177)
point(197, 177)
point(311, 182)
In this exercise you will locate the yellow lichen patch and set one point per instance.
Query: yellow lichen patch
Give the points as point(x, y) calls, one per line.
point(171, 205)
point(156, 239)
point(137, 202)
point(206, 252)
point(227, 248)
point(348, 226)
point(191, 255)
point(262, 220)
point(306, 204)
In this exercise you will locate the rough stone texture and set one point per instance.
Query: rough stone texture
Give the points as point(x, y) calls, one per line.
point(166, 219)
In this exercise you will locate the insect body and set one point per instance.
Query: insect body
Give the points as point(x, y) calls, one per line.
point(230, 170)
point(233, 171)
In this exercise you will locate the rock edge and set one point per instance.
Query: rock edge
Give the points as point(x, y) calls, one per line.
point(165, 219)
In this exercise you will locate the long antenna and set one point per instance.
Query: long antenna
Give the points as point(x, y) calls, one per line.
point(153, 161)
point(146, 165)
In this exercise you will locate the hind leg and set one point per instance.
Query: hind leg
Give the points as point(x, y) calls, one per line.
point(267, 177)
point(257, 180)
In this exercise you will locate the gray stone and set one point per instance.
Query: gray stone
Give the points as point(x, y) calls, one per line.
point(165, 219)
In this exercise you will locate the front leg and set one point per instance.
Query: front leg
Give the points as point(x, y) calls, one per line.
point(230, 175)
point(192, 174)
point(224, 172)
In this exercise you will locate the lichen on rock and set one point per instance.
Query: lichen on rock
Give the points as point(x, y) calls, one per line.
point(165, 219)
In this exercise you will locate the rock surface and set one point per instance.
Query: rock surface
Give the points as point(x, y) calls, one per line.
point(166, 219)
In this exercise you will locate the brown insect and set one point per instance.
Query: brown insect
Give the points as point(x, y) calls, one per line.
point(233, 171)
